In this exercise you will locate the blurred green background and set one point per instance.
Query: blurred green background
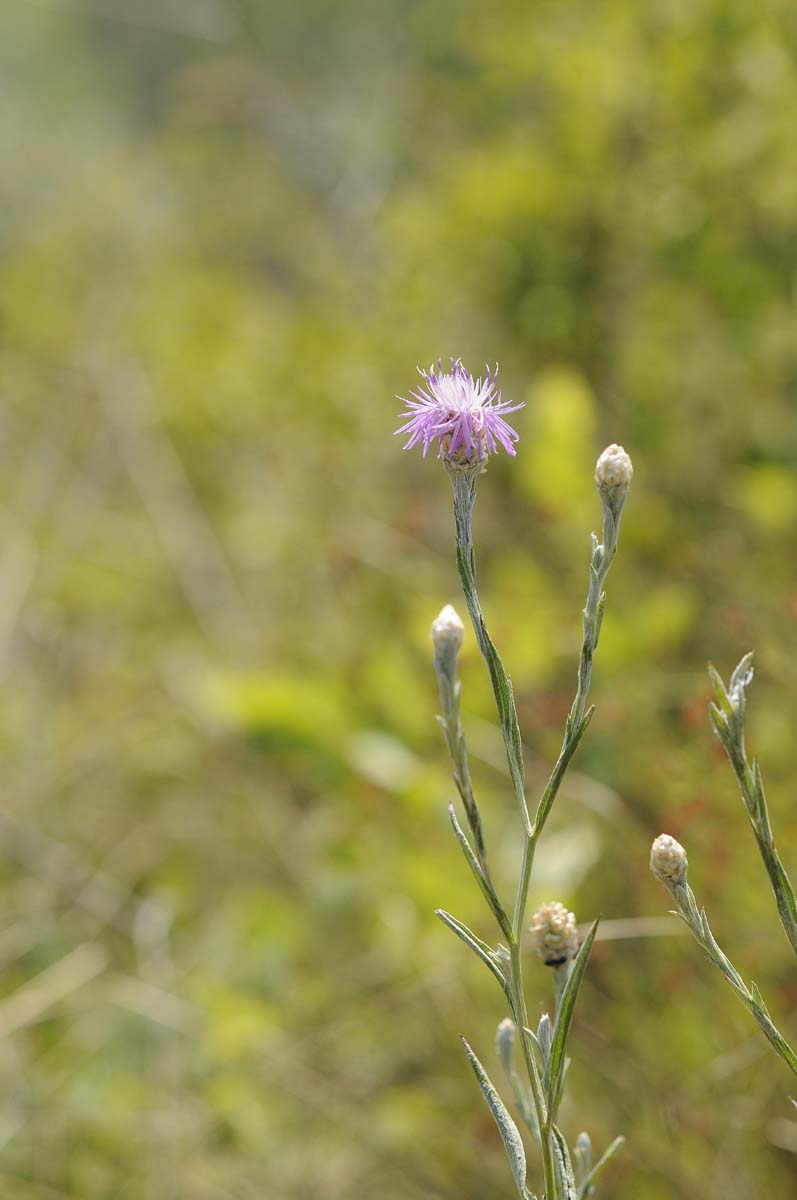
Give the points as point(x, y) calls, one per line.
point(231, 228)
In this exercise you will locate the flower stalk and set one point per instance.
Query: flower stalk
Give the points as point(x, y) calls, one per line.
point(668, 860)
point(613, 489)
point(727, 715)
point(464, 485)
point(669, 865)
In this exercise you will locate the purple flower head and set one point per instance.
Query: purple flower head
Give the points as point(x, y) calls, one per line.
point(465, 416)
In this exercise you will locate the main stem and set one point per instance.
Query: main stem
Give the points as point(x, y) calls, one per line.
point(464, 484)
point(520, 1015)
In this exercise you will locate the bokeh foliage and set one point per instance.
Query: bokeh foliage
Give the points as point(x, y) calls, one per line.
point(231, 228)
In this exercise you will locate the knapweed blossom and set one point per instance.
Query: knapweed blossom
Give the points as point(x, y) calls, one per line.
point(465, 416)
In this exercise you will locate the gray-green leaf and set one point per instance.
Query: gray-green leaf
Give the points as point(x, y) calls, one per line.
point(510, 1135)
point(556, 1061)
point(599, 1167)
point(483, 881)
point(479, 948)
point(564, 1170)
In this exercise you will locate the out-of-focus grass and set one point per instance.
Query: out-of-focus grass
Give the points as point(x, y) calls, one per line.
point(230, 231)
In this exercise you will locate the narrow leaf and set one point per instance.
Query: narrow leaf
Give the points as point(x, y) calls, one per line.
point(484, 883)
point(564, 1170)
point(568, 750)
point(479, 948)
point(510, 1135)
point(719, 690)
point(598, 621)
point(758, 999)
point(555, 1068)
point(719, 722)
point(599, 1167)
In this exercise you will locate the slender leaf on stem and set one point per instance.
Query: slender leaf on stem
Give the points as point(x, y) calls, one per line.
point(588, 1185)
point(723, 699)
point(556, 1061)
point(484, 882)
point(564, 1169)
point(479, 948)
point(557, 775)
point(510, 1135)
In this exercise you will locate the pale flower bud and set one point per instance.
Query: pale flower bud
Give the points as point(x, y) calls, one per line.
point(554, 934)
point(668, 860)
point(447, 631)
point(614, 469)
point(505, 1042)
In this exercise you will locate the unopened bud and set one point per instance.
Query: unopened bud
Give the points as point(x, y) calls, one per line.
point(545, 1037)
point(614, 469)
point(668, 860)
point(447, 629)
point(505, 1042)
point(554, 933)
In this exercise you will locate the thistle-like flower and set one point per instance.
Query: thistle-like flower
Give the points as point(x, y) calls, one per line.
point(668, 860)
point(465, 416)
point(554, 934)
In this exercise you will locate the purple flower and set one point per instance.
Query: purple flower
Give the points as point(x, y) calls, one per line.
point(464, 415)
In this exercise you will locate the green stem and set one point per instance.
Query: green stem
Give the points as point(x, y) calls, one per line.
point(544, 1120)
point(464, 484)
point(697, 921)
point(521, 900)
